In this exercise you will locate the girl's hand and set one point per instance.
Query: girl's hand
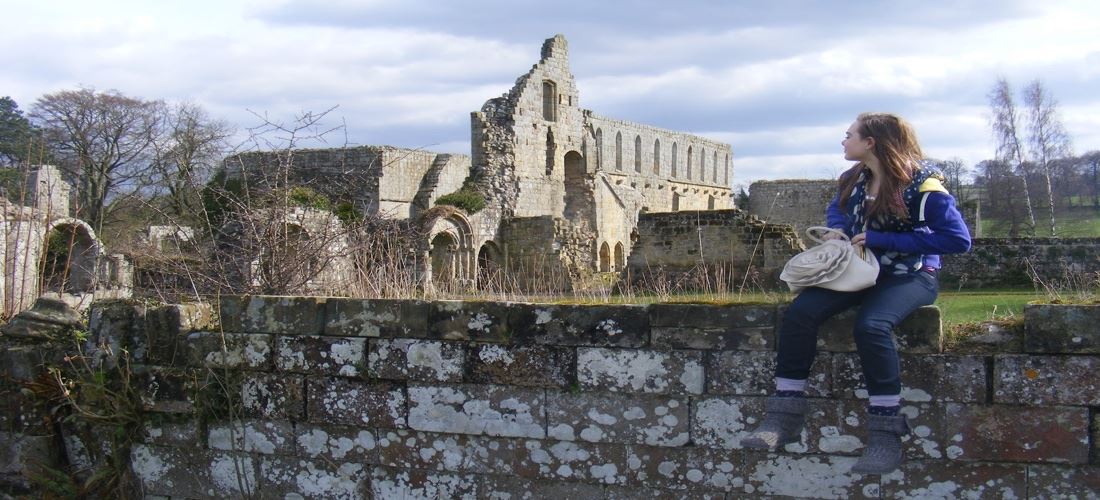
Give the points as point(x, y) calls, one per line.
point(859, 239)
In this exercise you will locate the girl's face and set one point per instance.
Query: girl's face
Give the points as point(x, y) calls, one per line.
point(857, 148)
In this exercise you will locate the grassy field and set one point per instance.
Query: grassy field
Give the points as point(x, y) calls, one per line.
point(984, 305)
point(1073, 222)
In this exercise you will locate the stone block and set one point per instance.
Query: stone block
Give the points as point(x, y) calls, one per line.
point(336, 443)
point(194, 473)
point(230, 350)
point(701, 326)
point(376, 318)
point(266, 437)
point(19, 455)
point(182, 433)
point(847, 433)
point(317, 355)
point(724, 422)
point(924, 377)
point(944, 479)
point(1061, 481)
point(640, 371)
point(618, 418)
point(354, 402)
point(481, 321)
point(1061, 328)
point(387, 482)
point(167, 327)
point(784, 476)
point(447, 452)
point(414, 359)
point(752, 373)
point(1017, 434)
point(292, 477)
point(277, 315)
point(279, 397)
point(921, 332)
point(572, 461)
point(1046, 380)
point(164, 389)
point(528, 365)
point(687, 468)
point(476, 409)
point(577, 325)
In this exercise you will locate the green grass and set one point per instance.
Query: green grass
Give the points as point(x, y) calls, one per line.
point(961, 307)
point(1073, 222)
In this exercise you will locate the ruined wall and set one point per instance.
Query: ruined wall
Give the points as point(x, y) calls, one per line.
point(718, 247)
point(546, 254)
point(800, 203)
point(1069, 264)
point(407, 399)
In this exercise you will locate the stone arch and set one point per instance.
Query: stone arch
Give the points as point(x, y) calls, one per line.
point(578, 200)
point(715, 164)
point(549, 101)
point(449, 260)
point(676, 202)
point(710, 202)
point(605, 258)
point(599, 149)
point(551, 149)
point(490, 265)
point(620, 263)
point(702, 165)
point(674, 160)
point(688, 169)
point(618, 151)
point(656, 157)
point(638, 154)
point(70, 257)
point(726, 171)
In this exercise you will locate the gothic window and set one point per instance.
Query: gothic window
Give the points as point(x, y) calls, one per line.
point(726, 171)
point(714, 164)
point(549, 101)
point(599, 149)
point(688, 169)
point(638, 153)
point(657, 157)
point(550, 149)
point(702, 165)
point(618, 151)
point(674, 160)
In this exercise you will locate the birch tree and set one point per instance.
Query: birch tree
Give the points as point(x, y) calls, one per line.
point(1006, 135)
point(1047, 137)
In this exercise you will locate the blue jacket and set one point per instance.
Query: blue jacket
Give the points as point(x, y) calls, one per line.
point(935, 226)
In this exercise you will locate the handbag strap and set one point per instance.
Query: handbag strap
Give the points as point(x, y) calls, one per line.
point(812, 229)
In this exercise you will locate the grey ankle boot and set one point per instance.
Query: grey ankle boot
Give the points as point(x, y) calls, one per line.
point(782, 423)
point(883, 452)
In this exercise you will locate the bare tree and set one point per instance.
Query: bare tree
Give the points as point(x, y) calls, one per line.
point(956, 173)
point(1047, 137)
point(1005, 124)
point(1091, 164)
point(104, 141)
point(186, 154)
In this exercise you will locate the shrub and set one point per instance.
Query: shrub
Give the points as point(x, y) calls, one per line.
point(467, 199)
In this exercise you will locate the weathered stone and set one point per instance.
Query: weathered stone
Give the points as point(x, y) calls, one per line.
point(847, 434)
point(699, 326)
point(1061, 481)
point(278, 315)
point(1046, 380)
point(316, 355)
point(572, 461)
point(530, 365)
point(166, 330)
point(252, 436)
point(274, 396)
point(943, 479)
point(575, 325)
point(1061, 328)
point(20, 455)
point(724, 422)
point(420, 360)
point(291, 477)
point(116, 326)
point(630, 370)
point(376, 318)
point(336, 444)
point(686, 468)
point(230, 350)
point(1017, 433)
point(182, 434)
point(615, 418)
point(752, 373)
point(992, 337)
point(924, 378)
point(354, 402)
point(481, 321)
point(26, 361)
point(164, 390)
point(799, 476)
point(387, 482)
point(449, 452)
point(921, 332)
point(194, 473)
point(473, 409)
point(47, 318)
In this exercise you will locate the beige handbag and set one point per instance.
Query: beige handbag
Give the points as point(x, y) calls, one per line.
point(834, 264)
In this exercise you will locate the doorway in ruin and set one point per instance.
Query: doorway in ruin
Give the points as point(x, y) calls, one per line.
point(579, 203)
point(620, 260)
point(605, 258)
point(443, 254)
point(69, 259)
point(490, 267)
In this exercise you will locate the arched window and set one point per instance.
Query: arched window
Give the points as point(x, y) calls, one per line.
point(688, 169)
point(549, 101)
point(674, 160)
point(618, 151)
point(619, 264)
point(726, 171)
point(638, 153)
point(657, 157)
point(551, 148)
point(599, 149)
point(702, 165)
point(605, 258)
point(715, 166)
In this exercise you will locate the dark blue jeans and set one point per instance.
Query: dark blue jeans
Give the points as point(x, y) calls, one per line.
point(881, 308)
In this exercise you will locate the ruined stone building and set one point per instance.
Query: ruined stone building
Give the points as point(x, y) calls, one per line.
point(563, 186)
point(46, 252)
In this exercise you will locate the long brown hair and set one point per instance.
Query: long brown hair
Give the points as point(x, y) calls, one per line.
point(898, 152)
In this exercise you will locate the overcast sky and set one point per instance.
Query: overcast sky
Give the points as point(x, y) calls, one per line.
point(779, 80)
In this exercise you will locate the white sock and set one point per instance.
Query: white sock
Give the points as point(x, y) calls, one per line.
point(886, 400)
point(790, 384)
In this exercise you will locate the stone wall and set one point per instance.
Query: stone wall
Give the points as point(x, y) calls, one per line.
point(546, 254)
point(800, 203)
point(340, 398)
point(1067, 264)
point(673, 250)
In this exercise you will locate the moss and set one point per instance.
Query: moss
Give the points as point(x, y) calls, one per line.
point(466, 198)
